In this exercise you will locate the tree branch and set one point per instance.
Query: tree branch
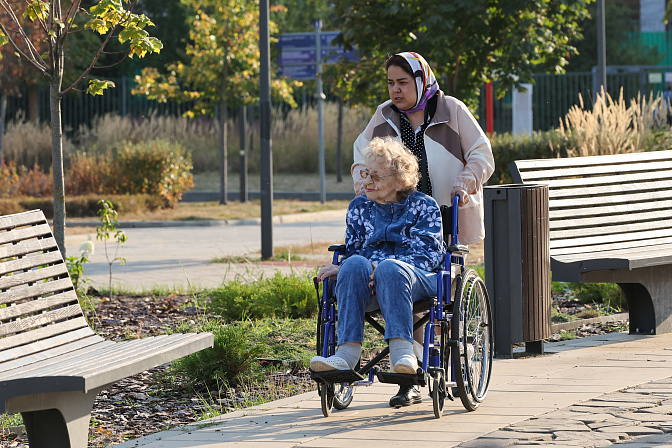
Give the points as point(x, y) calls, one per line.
point(34, 58)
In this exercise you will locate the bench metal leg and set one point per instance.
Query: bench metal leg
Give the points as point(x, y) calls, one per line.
point(57, 419)
point(649, 295)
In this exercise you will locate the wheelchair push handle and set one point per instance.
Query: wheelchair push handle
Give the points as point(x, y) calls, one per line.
point(454, 230)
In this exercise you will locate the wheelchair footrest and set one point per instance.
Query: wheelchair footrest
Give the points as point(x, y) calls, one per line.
point(402, 379)
point(337, 376)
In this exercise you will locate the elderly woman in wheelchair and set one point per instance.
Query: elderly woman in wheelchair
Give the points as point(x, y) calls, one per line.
point(394, 249)
point(395, 260)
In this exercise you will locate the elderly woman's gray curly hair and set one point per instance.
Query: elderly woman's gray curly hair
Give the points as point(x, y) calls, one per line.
point(402, 163)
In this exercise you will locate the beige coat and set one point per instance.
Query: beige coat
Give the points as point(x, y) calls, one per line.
point(458, 154)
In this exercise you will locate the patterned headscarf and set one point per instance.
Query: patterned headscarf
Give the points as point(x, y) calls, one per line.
point(425, 82)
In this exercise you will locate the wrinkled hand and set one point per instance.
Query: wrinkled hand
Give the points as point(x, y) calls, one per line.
point(328, 271)
point(464, 197)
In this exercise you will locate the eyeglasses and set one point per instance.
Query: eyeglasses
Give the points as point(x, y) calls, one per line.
point(374, 177)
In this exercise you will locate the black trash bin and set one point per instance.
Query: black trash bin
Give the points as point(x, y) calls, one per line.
point(518, 265)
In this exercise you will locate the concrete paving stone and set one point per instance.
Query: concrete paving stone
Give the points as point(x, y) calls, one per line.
point(609, 423)
point(627, 398)
point(511, 435)
point(626, 405)
point(644, 417)
point(656, 440)
point(546, 427)
point(487, 443)
point(593, 418)
point(662, 409)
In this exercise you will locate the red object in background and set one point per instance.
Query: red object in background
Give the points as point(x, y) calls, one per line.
point(489, 128)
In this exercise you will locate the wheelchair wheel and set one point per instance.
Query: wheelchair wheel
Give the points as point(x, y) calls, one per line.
point(326, 398)
point(438, 393)
point(343, 394)
point(471, 327)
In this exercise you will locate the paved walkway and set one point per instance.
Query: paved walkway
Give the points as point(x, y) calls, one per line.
point(573, 396)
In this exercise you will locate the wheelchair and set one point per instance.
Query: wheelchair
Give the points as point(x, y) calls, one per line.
point(458, 336)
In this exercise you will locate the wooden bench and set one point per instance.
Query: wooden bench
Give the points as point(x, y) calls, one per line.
point(611, 222)
point(52, 365)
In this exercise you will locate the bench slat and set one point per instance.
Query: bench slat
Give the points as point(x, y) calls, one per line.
point(22, 219)
point(606, 220)
point(48, 344)
point(27, 247)
point(589, 182)
point(33, 276)
point(611, 159)
point(595, 199)
point(25, 233)
point(627, 239)
point(622, 209)
point(563, 193)
point(40, 320)
point(643, 246)
point(42, 333)
point(13, 312)
point(66, 363)
point(631, 253)
point(40, 289)
point(30, 262)
point(606, 229)
point(81, 363)
point(90, 342)
point(596, 170)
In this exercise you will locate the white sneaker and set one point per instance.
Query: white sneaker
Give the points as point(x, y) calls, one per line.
point(322, 364)
point(406, 364)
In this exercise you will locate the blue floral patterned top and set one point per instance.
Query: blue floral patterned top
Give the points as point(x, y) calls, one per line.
point(409, 231)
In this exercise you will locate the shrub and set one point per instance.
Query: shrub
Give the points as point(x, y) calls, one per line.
point(90, 174)
point(234, 353)
point(291, 296)
point(35, 183)
point(9, 180)
point(157, 167)
point(508, 147)
point(609, 294)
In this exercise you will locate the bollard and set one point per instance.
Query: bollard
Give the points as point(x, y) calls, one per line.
point(518, 265)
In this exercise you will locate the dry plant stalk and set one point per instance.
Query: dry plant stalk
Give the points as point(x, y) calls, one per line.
point(611, 127)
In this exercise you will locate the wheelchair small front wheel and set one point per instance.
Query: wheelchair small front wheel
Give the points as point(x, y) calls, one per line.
point(438, 393)
point(327, 398)
point(343, 395)
point(471, 328)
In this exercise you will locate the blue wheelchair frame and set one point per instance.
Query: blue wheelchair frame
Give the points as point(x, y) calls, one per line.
point(437, 355)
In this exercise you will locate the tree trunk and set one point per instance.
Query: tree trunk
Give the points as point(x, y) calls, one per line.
point(57, 163)
point(3, 114)
point(55, 84)
point(223, 167)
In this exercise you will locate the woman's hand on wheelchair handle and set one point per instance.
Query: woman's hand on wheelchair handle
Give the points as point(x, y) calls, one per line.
point(328, 271)
point(464, 196)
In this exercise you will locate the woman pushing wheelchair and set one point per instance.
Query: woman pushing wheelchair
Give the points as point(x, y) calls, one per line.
point(394, 249)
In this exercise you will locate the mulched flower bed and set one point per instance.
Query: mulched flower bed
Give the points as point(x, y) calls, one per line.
point(145, 404)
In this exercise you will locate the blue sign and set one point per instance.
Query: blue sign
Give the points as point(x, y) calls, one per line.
point(298, 57)
point(291, 41)
point(298, 72)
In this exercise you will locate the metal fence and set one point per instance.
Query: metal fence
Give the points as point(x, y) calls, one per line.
point(553, 96)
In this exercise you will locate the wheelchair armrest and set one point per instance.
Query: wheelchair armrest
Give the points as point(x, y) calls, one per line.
point(458, 249)
point(337, 247)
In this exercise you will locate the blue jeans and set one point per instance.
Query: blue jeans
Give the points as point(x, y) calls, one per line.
point(397, 284)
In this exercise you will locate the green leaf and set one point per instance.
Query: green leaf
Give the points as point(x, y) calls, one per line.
point(97, 86)
point(3, 39)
